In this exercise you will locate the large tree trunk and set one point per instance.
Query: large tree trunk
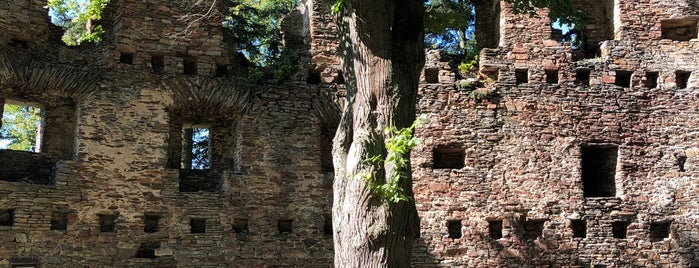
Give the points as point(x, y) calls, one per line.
point(384, 55)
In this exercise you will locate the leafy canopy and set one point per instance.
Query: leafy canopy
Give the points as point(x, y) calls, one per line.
point(20, 125)
point(78, 18)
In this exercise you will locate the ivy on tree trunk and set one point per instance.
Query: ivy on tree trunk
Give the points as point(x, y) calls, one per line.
point(383, 55)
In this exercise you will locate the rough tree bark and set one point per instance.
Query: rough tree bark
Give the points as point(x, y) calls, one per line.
point(383, 55)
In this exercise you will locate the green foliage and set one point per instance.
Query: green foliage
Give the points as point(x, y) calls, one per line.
point(78, 18)
point(253, 28)
point(398, 147)
point(469, 65)
point(338, 5)
point(19, 127)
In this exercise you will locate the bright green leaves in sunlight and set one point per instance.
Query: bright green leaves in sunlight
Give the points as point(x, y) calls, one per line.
point(20, 128)
point(78, 18)
point(398, 146)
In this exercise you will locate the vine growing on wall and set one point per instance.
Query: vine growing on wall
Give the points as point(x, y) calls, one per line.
point(398, 147)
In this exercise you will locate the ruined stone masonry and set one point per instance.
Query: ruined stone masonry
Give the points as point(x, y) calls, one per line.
point(565, 157)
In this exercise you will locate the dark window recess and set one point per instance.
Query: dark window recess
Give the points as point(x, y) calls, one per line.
point(126, 58)
point(431, 75)
point(495, 229)
point(147, 250)
point(679, 29)
point(59, 221)
point(157, 62)
point(454, 229)
point(551, 76)
point(623, 78)
point(680, 160)
point(19, 43)
point(446, 158)
point(7, 217)
point(196, 180)
point(189, 65)
point(681, 78)
point(151, 223)
point(197, 226)
point(340, 78)
point(328, 224)
point(598, 170)
point(619, 229)
point(24, 262)
point(533, 229)
point(313, 78)
point(107, 223)
point(493, 75)
point(284, 226)
point(326, 149)
point(582, 77)
point(599, 266)
point(221, 71)
point(241, 229)
point(659, 231)
point(651, 80)
point(579, 228)
point(522, 76)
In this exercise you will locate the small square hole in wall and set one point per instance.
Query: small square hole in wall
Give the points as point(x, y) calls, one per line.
point(682, 78)
point(684, 29)
point(598, 170)
point(579, 228)
point(582, 77)
point(619, 229)
point(493, 74)
point(651, 80)
point(157, 62)
point(19, 43)
point(151, 223)
point(197, 226)
point(551, 76)
point(221, 71)
point(659, 231)
point(533, 229)
point(454, 229)
point(7, 217)
point(447, 158)
point(623, 78)
point(189, 65)
point(328, 225)
point(107, 223)
point(284, 226)
point(495, 229)
point(126, 58)
point(59, 221)
point(147, 250)
point(339, 79)
point(521, 76)
point(313, 78)
point(431, 75)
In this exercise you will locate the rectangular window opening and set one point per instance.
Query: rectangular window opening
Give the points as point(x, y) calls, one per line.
point(126, 58)
point(551, 76)
point(454, 229)
point(579, 228)
point(619, 229)
point(284, 226)
point(189, 65)
point(157, 62)
point(328, 225)
point(197, 226)
point(582, 77)
point(7, 217)
point(679, 29)
point(313, 78)
point(151, 223)
point(448, 158)
point(59, 221)
point(521, 76)
point(431, 75)
point(495, 229)
point(598, 170)
point(147, 250)
point(623, 78)
point(659, 231)
point(22, 127)
point(221, 70)
point(651, 79)
point(682, 78)
point(107, 223)
point(533, 229)
point(196, 149)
